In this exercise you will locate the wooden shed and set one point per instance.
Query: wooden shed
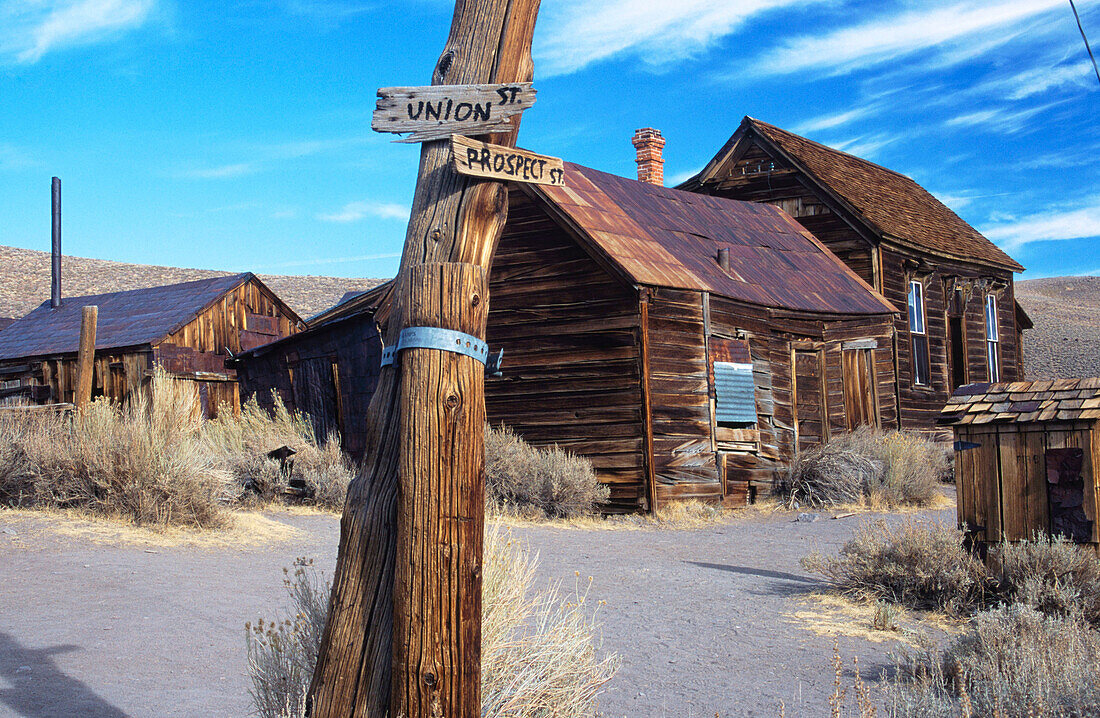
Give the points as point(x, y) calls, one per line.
point(961, 324)
point(328, 372)
point(1026, 458)
point(190, 329)
point(687, 345)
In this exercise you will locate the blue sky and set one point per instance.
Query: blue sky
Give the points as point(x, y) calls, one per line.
point(236, 134)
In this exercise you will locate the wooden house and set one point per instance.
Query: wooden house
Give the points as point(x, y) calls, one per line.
point(687, 345)
point(961, 320)
point(328, 372)
point(190, 329)
point(1026, 458)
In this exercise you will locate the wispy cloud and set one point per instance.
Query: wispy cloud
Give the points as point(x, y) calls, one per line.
point(1023, 85)
point(327, 11)
point(573, 34)
point(998, 119)
point(957, 32)
point(29, 30)
point(219, 172)
point(831, 121)
point(1072, 223)
point(14, 158)
point(866, 147)
point(355, 211)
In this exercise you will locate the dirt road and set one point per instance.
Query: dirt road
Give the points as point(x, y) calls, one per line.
point(712, 620)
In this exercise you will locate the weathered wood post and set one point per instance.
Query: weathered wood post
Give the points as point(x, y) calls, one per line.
point(85, 356)
point(424, 433)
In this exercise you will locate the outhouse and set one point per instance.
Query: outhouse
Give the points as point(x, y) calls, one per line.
point(1025, 458)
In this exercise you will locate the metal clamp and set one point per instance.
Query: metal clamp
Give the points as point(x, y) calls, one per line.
point(446, 340)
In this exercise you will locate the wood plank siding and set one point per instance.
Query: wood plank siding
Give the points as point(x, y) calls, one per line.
point(846, 202)
point(570, 333)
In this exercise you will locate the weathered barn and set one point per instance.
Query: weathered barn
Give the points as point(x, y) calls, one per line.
point(328, 372)
point(189, 329)
point(961, 321)
point(687, 345)
point(1026, 459)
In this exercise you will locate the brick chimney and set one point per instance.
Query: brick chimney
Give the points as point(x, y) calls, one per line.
point(651, 165)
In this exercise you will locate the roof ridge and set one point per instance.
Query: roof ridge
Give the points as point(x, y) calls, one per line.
point(834, 150)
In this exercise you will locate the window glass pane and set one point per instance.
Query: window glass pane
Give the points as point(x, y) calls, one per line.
point(994, 362)
point(991, 318)
point(921, 370)
point(916, 308)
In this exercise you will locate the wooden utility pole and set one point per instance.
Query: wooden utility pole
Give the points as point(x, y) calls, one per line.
point(85, 356)
point(412, 529)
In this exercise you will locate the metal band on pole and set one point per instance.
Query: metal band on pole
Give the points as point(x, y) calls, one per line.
point(446, 340)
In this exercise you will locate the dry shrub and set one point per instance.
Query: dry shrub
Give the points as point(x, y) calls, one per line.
point(242, 441)
point(523, 479)
point(922, 566)
point(539, 648)
point(1051, 575)
point(140, 462)
point(868, 466)
point(1014, 661)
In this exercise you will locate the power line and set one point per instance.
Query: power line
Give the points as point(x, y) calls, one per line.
point(1091, 56)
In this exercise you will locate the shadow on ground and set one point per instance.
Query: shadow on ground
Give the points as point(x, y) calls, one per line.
point(39, 689)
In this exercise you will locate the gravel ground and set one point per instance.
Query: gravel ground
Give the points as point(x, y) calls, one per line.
point(704, 620)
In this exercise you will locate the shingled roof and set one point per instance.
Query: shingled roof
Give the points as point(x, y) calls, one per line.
point(669, 238)
point(1024, 402)
point(126, 319)
point(890, 203)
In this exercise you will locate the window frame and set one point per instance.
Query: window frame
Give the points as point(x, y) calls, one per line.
point(918, 335)
point(992, 338)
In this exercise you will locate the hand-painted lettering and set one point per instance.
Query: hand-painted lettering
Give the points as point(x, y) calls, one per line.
point(429, 110)
point(463, 110)
point(471, 156)
point(498, 163)
point(419, 109)
point(486, 163)
point(482, 112)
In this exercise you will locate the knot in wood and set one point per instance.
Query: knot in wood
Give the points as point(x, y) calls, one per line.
point(444, 65)
point(429, 679)
point(437, 234)
point(451, 402)
point(475, 300)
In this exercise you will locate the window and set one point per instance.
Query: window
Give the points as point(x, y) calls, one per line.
point(918, 335)
point(992, 338)
point(735, 395)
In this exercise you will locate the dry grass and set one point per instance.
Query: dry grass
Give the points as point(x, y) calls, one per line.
point(687, 515)
point(142, 462)
point(831, 615)
point(539, 648)
point(1013, 662)
point(1051, 575)
point(871, 467)
point(527, 481)
point(915, 564)
point(155, 462)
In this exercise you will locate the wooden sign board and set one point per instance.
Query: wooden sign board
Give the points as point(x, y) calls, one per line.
point(439, 111)
point(481, 159)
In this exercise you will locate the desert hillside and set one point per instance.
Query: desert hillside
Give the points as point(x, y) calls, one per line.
point(25, 281)
point(1065, 342)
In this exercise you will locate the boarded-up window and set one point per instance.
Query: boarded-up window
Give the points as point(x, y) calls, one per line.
point(735, 394)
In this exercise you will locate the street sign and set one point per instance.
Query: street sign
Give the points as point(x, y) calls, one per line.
point(481, 159)
point(438, 111)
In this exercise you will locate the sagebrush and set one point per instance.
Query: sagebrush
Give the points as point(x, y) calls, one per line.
point(539, 651)
point(155, 461)
point(890, 468)
point(521, 478)
point(917, 564)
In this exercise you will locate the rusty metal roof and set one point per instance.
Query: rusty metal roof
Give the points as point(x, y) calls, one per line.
point(670, 238)
point(888, 202)
point(1024, 402)
point(134, 318)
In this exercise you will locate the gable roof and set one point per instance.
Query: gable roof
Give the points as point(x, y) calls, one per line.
point(1024, 402)
point(888, 202)
point(133, 318)
point(669, 238)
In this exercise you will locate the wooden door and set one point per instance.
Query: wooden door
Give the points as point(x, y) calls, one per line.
point(314, 384)
point(811, 426)
point(860, 401)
